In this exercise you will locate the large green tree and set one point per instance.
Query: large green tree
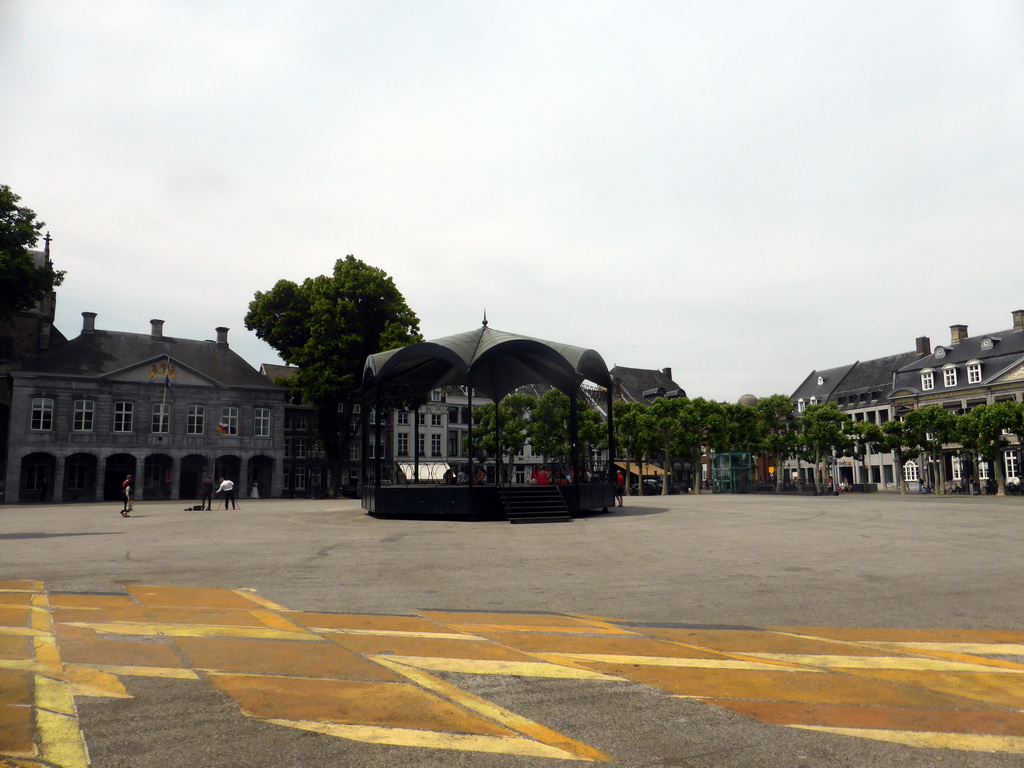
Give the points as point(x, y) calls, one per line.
point(984, 429)
point(23, 283)
point(513, 414)
point(824, 429)
point(327, 326)
point(928, 429)
point(779, 427)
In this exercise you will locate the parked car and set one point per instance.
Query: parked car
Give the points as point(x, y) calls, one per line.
point(649, 487)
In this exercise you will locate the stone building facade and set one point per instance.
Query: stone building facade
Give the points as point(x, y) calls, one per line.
point(168, 411)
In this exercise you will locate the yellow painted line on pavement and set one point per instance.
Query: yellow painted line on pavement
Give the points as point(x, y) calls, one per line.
point(195, 630)
point(54, 695)
point(492, 667)
point(172, 673)
point(276, 621)
point(669, 661)
point(974, 742)
point(23, 632)
point(409, 737)
point(398, 633)
point(61, 740)
point(250, 594)
point(882, 662)
point(86, 681)
point(493, 712)
point(970, 649)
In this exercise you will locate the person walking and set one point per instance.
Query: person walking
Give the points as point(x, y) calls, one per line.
point(206, 494)
point(127, 501)
point(620, 484)
point(227, 492)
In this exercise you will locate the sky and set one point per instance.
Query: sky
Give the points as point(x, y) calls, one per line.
point(743, 192)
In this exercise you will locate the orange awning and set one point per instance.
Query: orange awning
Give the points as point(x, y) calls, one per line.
point(646, 470)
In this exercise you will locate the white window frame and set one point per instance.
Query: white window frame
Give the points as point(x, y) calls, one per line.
point(261, 422)
point(83, 416)
point(124, 417)
point(229, 418)
point(196, 423)
point(435, 419)
point(300, 448)
point(401, 443)
point(300, 479)
point(435, 444)
point(927, 380)
point(42, 414)
point(1011, 468)
point(402, 417)
point(910, 473)
point(974, 372)
point(949, 376)
point(421, 444)
point(161, 421)
point(353, 451)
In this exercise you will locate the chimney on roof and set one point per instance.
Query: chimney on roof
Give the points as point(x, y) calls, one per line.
point(924, 346)
point(957, 333)
point(222, 336)
point(667, 373)
point(88, 322)
point(157, 330)
point(1018, 320)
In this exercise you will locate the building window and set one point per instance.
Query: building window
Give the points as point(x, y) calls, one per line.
point(436, 395)
point(800, 405)
point(123, 415)
point(814, 401)
point(983, 470)
point(949, 375)
point(1010, 465)
point(353, 451)
point(301, 425)
point(454, 443)
point(421, 442)
point(927, 380)
point(402, 417)
point(421, 418)
point(910, 471)
point(287, 447)
point(84, 415)
point(402, 443)
point(300, 478)
point(435, 445)
point(974, 373)
point(261, 422)
point(314, 478)
point(300, 448)
point(228, 420)
point(161, 418)
point(453, 414)
point(196, 420)
point(42, 414)
point(435, 419)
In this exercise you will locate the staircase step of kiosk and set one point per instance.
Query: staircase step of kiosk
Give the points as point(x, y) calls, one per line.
point(534, 504)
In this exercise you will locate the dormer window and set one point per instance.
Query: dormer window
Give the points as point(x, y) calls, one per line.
point(800, 405)
point(814, 401)
point(974, 372)
point(949, 375)
point(821, 380)
point(927, 379)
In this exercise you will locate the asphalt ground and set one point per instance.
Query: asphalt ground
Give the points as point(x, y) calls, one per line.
point(861, 630)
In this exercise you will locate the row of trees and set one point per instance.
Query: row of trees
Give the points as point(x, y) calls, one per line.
point(684, 427)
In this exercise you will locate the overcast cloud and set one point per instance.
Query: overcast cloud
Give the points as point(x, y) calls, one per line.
point(741, 191)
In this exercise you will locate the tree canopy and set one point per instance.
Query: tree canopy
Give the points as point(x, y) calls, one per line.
point(327, 326)
point(23, 283)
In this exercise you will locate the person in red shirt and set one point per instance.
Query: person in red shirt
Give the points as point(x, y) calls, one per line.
point(126, 496)
point(620, 485)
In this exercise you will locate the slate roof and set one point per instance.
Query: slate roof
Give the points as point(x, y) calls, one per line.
point(830, 379)
point(997, 352)
point(633, 382)
point(100, 353)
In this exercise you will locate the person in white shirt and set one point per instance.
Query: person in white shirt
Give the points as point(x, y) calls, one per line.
point(227, 492)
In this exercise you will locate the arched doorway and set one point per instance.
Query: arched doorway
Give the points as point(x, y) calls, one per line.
point(36, 476)
point(117, 467)
point(193, 469)
point(80, 477)
point(156, 477)
point(229, 467)
point(258, 477)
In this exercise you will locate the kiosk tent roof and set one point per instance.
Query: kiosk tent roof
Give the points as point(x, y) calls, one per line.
point(491, 361)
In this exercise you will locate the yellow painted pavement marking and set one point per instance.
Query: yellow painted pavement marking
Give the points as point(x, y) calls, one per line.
point(972, 649)
point(491, 667)
point(409, 737)
point(494, 712)
point(86, 681)
point(54, 695)
point(399, 633)
point(171, 673)
point(196, 630)
point(881, 662)
point(250, 594)
point(61, 740)
point(671, 661)
point(22, 631)
point(976, 742)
